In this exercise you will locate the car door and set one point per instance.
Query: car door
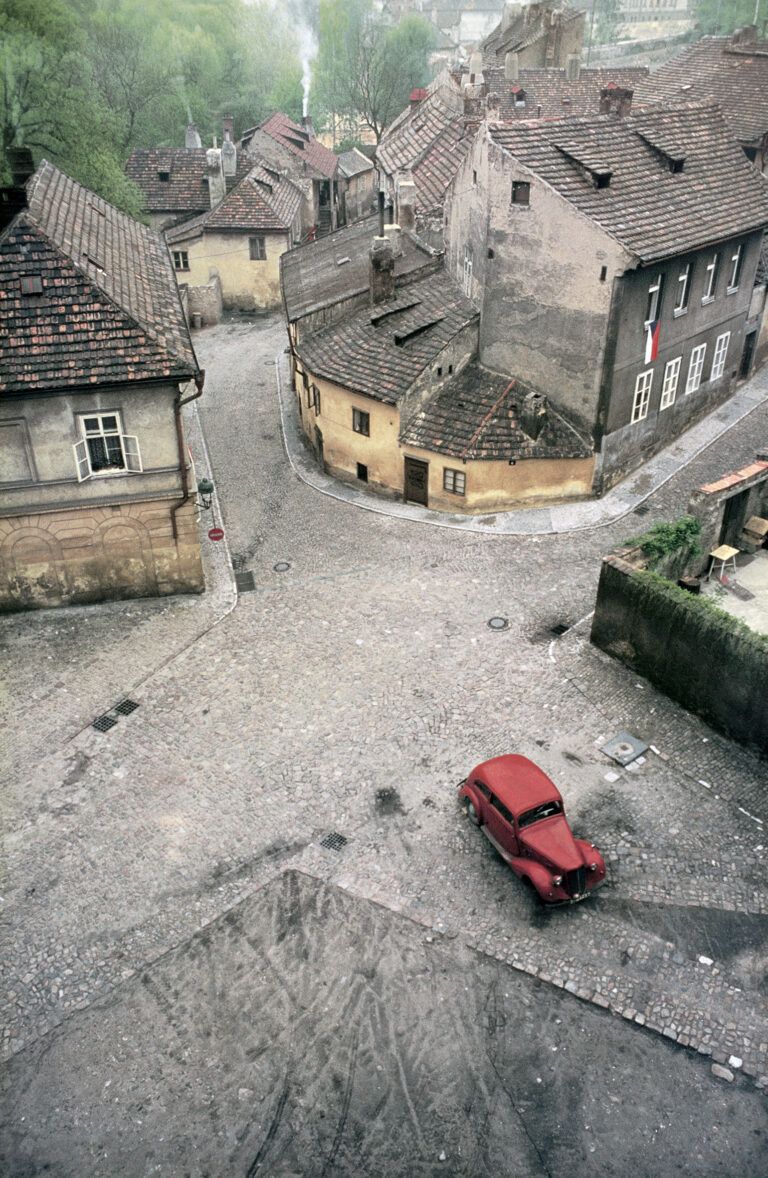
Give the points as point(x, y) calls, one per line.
point(501, 825)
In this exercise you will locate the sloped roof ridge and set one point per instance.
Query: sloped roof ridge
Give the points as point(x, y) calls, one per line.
point(49, 173)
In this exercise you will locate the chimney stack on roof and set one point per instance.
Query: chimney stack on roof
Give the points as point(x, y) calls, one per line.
point(511, 67)
point(615, 100)
point(533, 414)
point(745, 35)
point(13, 198)
point(227, 129)
point(382, 272)
point(217, 185)
point(228, 149)
point(306, 122)
point(192, 138)
point(573, 67)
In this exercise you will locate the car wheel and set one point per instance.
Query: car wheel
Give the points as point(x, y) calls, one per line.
point(473, 814)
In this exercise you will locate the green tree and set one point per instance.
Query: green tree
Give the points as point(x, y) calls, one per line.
point(366, 68)
point(723, 16)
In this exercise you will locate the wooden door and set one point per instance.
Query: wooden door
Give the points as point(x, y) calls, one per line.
point(415, 481)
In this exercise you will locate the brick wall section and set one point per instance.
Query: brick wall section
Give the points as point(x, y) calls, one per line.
point(666, 639)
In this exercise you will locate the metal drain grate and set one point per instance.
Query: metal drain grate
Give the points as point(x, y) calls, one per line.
point(642, 509)
point(560, 629)
point(333, 841)
point(125, 707)
point(104, 723)
point(244, 582)
point(624, 748)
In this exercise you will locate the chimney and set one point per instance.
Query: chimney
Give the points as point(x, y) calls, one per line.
point(745, 35)
point(228, 157)
point(533, 414)
point(214, 175)
point(615, 100)
point(382, 273)
point(21, 164)
point(393, 236)
point(382, 197)
point(13, 198)
point(227, 129)
point(511, 67)
point(405, 193)
point(306, 122)
point(476, 66)
point(573, 67)
point(416, 98)
point(508, 14)
point(192, 138)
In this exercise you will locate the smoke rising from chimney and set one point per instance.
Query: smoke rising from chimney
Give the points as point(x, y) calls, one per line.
point(307, 52)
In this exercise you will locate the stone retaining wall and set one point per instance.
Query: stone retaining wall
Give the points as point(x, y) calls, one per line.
point(684, 649)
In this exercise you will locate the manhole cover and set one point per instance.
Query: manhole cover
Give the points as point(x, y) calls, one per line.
point(498, 623)
point(282, 566)
point(624, 748)
point(333, 841)
point(244, 582)
point(126, 706)
point(104, 723)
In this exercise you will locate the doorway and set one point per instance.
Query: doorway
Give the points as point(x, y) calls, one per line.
point(746, 355)
point(415, 481)
point(734, 515)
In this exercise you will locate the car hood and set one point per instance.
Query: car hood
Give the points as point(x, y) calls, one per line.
point(551, 839)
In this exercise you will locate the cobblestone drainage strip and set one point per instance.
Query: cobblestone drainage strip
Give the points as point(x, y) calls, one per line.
point(498, 623)
point(624, 748)
point(244, 582)
point(333, 841)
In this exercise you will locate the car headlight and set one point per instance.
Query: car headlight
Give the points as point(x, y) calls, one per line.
point(557, 880)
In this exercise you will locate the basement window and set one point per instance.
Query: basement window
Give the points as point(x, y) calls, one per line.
point(362, 472)
point(521, 192)
point(31, 284)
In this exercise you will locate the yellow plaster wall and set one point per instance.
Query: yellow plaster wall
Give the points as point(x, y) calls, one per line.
point(491, 486)
point(245, 284)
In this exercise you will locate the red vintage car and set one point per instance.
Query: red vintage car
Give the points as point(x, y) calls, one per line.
point(520, 812)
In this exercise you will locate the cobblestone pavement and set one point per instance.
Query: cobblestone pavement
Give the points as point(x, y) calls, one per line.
point(348, 693)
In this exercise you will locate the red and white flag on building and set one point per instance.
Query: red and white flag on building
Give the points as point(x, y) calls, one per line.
point(652, 340)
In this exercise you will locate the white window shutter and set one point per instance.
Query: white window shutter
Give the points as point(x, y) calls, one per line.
point(82, 463)
point(132, 453)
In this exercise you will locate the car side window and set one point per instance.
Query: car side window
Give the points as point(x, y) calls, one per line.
point(484, 790)
point(505, 813)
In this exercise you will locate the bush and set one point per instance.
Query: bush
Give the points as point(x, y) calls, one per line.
point(664, 539)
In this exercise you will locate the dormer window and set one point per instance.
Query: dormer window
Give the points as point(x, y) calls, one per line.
point(164, 177)
point(602, 179)
point(31, 284)
point(519, 95)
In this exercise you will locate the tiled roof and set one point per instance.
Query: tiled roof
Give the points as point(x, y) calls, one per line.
point(353, 162)
point(283, 130)
point(186, 189)
point(549, 93)
point(477, 416)
point(653, 211)
point(431, 142)
point(735, 76)
point(109, 308)
point(380, 351)
point(264, 200)
point(526, 29)
point(337, 267)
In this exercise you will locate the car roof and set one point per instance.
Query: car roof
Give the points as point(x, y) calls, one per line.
point(517, 782)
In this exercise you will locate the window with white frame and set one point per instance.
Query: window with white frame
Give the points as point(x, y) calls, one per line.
point(653, 306)
point(467, 270)
point(694, 369)
point(454, 481)
point(361, 422)
point(103, 448)
point(642, 395)
point(719, 355)
point(735, 274)
point(683, 289)
point(710, 282)
point(669, 388)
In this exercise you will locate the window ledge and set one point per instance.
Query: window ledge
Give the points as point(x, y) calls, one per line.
point(707, 299)
point(677, 313)
point(732, 290)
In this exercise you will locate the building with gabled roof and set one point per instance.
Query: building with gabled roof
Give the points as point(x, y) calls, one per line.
point(360, 184)
point(388, 391)
point(295, 152)
point(613, 260)
point(96, 483)
point(540, 34)
point(732, 71)
point(179, 183)
point(241, 240)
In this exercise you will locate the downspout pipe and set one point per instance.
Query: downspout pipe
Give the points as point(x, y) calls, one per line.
point(178, 405)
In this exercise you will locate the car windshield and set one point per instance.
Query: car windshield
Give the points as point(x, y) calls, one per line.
point(545, 810)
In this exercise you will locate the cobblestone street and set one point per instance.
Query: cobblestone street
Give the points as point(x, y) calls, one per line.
point(348, 692)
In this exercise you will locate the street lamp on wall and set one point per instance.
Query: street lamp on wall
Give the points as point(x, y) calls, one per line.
point(205, 491)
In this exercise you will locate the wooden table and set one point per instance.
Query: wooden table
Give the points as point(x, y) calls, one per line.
point(722, 556)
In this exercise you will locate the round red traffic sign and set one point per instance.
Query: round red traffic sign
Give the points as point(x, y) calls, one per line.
point(216, 534)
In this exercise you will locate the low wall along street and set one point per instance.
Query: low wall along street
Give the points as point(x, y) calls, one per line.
point(697, 654)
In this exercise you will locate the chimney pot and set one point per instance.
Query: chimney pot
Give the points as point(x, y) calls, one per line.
point(382, 271)
point(192, 138)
